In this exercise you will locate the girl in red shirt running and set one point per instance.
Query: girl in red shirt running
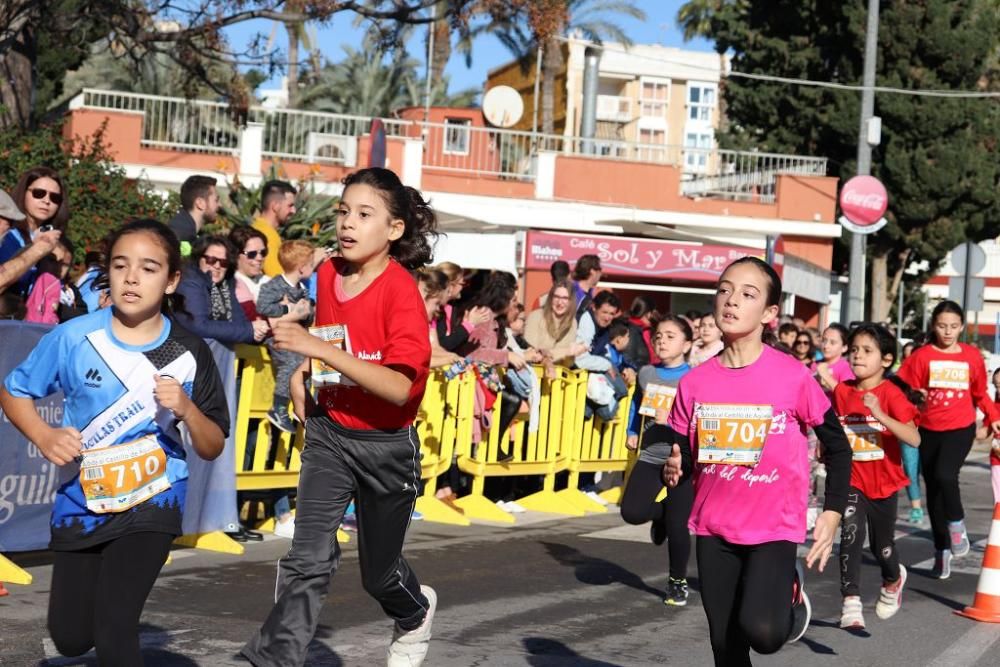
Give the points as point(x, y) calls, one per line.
point(360, 443)
point(952, 376)
point(876, 415)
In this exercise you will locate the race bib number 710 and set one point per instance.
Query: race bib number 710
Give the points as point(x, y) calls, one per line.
point(732, 433)
point(119, 477)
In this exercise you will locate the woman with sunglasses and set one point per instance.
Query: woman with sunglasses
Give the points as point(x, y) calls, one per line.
point(804, 350)
point(40, 194)
point(251, 249)
point(209, 292)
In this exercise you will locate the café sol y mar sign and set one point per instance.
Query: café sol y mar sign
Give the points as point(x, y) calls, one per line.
point(863, 202)
point(636, 257)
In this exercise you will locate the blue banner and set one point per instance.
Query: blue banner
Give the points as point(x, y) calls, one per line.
point(28, 482)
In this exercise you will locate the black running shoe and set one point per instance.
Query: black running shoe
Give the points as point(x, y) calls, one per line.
point(801, 609)
point(677, 592)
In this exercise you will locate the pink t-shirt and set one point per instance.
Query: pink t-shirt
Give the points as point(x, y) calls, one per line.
point(768, 501)
point(841, 370)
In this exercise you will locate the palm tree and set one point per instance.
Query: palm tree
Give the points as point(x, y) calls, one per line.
point(543, 23)
point(375, 81)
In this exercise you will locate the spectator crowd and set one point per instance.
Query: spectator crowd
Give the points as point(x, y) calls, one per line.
point(237, 286)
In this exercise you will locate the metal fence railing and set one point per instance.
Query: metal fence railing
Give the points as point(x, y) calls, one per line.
point(455, 146)
point(741, 174)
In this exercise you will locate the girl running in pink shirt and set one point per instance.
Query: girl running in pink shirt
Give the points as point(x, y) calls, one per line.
point(739, 424)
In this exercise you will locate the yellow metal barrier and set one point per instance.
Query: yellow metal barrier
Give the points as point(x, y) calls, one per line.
point(599, 446)
point(12, 574)
point(256, 397)
point(444, 418)
point(539, 453)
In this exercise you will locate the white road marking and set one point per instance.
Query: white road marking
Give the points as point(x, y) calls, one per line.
point(970, 647)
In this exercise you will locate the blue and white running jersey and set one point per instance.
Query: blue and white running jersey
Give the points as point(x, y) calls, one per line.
point(108, 387)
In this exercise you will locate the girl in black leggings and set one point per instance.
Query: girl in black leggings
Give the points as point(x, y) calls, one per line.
point(131, 376)
point(952, 376)
point(657, 387)
point(739, 422)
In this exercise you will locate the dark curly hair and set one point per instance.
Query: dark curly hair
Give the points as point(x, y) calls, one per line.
point(412, 250)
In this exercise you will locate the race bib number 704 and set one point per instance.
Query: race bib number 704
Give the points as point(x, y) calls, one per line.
point(732, 433)
point(119, 477)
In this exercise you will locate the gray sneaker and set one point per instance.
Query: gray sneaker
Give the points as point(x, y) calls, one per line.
point(959, 538)
point(281, 421)
point(942, 564)
point(409, 647)
point(801, 608)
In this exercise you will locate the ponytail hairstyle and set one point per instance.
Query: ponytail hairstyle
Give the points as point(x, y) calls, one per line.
point(845, 335)
point(945, 306)
point(172, 303)
point(679, 322)
point(412, 250)
point(886, 343)
point(773, 296)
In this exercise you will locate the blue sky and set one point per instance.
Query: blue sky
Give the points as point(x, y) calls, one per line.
point(658, 28)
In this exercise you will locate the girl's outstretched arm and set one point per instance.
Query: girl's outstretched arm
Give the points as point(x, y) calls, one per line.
point(58, 445)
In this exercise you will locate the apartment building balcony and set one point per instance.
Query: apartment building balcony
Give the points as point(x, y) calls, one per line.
point(452, 151)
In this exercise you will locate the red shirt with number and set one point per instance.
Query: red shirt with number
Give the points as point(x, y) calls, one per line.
point(883, 477)
point(955, 385)
point(386, 325)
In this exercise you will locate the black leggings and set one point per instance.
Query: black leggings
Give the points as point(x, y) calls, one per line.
point(638, 506)
point(98, 594)
point(878, 517)
point(942, 454)
point(747, 595)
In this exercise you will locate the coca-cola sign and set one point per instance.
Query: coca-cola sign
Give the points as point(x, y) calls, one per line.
point(863, 202)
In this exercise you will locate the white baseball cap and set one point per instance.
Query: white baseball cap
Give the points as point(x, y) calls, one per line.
point(8, 209)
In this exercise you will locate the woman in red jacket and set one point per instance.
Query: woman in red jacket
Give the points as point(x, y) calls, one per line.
point(952, 377)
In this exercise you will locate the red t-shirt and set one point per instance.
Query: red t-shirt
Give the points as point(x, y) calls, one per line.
point(955, 385)
point(883, 477)
point(386, 325)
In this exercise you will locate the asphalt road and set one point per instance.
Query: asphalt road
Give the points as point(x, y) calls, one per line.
point(549, 591)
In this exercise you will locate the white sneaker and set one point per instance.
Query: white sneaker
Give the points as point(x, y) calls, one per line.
point(889, 601)
point(596, 497)
point(512, 506)
point(851, 616)
point(942, 564)
point(286, 529)
point(409, 648)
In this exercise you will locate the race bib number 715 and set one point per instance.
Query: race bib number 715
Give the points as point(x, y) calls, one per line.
point(732, 433)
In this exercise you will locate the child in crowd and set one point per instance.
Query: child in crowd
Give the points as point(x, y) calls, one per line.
point(834, 368)
point(360, 440)
point(657, 386)
point(53, 297)
point(877, 416)
point(740, 434)
point(619, 377)
point(131, 376)
point(786, 335)
point(709, 341)
point(286, 297)
point(952, 375)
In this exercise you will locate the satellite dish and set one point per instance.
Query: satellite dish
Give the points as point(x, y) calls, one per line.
point(502, 106)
